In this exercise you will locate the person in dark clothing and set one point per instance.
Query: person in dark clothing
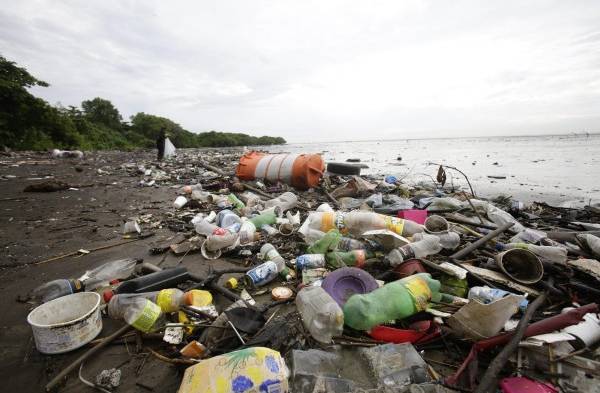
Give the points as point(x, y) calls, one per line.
point(160, 143)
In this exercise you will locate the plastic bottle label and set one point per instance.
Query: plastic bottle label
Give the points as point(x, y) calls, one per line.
point(327, 221)
point(361, 257)
point(310, 261)
point(147, 317)
point(394, 224)
point(420, 292)
point(164, 300)
point(263, 274)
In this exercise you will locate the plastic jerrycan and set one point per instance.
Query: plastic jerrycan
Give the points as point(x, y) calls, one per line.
point(321, 315)
point(395, 300)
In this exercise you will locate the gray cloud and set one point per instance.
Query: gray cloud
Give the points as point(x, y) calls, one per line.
point(317, 70)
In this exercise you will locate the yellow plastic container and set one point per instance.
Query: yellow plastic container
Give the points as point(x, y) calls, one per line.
point(250, 370)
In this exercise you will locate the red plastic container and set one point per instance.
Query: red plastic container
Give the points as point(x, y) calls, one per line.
point(415, 215)
point(525, 385)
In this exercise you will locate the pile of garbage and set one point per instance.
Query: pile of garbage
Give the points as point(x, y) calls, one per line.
point(345, 283)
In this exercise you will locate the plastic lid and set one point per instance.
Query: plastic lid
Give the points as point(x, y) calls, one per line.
point(107, 295)
point(281, 293)
point(197, 297)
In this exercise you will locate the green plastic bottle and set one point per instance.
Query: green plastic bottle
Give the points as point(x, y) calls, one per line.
point(264, 219)
point(328, 242)
point(396, 300)
point(356, 258)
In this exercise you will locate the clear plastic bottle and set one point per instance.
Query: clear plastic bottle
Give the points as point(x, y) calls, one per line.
point(487, 295)
point(428, 245)
point(448, 240)
point(169, 300)
point(321, 315)
point(55, 289)
point(270, 253)
point(285, 201)
point(226, 218)
point(115, 270)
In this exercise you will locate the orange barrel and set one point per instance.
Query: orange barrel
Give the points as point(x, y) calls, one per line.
point(300, 170)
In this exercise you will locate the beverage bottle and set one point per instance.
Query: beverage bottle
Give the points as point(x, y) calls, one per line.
point(448, 240)
point(235, 202)
point(115, 270)
point(285, 201)
point(396, 300)
point(348, 244)
point(226, 218)
point(269, 218)
point(547, 253)
point(310, 261)
point(142, 314)
point(205, 228)
point(355, 258)
point(270, 253)
point(169, 300)
point(487, 295)
point(428, 245)
point(321, 315)
point(328, 242)
point(324, 207)
point(248, 232)
point(57, 288)
point(261, 274)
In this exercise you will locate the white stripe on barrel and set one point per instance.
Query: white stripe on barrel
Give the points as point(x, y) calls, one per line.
point(276, 167)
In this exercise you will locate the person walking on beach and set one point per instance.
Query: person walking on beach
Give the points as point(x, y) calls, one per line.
point(160, 143)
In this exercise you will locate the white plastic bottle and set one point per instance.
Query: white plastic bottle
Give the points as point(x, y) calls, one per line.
point(428, 245)
point(448, 240)
point(321, 315)
point(285, 201)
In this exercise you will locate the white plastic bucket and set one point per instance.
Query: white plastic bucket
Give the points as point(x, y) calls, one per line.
point(66, 323)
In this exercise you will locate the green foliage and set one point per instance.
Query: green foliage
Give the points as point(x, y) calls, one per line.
point(103, 112)
point(28, 122)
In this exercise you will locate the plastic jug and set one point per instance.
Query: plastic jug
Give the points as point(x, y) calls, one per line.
point(321, 315)
point(396, 300)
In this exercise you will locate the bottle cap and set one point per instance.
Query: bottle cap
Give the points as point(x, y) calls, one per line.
point(232, 283)
point(198, 298)
point(107, 295)
point(281, 293)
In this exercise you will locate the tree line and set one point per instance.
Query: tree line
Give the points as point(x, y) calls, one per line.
point(30, 123)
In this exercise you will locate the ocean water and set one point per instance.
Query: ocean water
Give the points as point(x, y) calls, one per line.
point(558, 169)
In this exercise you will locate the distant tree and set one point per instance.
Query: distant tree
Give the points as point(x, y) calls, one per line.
point(103, 112)
point(26, 121)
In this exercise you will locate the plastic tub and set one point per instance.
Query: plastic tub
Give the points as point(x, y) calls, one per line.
point(66, 323)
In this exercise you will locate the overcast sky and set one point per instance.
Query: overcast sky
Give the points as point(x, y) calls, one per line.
point(321, 70)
